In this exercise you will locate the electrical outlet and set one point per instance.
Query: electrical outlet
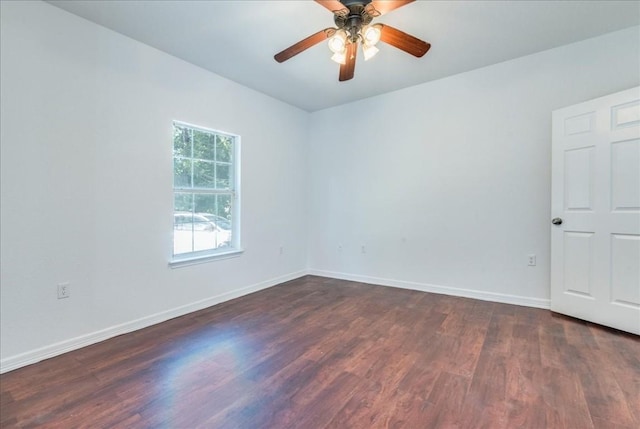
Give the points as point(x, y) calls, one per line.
point(281, 250)
point(64, 290)
point(339, 247)
point(363, 249)
point(532, 260)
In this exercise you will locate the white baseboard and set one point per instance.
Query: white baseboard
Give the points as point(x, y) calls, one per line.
point(446, 290)
point(33, 356)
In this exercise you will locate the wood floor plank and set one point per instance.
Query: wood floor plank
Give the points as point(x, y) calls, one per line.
point(565, 400)
point(527, 414)
point(499, 334)
point(317, 352)
point(321, 407)
point(363, 409)
point(420, 380)
point(269, 404)
point(447, 399)
point(599, 380)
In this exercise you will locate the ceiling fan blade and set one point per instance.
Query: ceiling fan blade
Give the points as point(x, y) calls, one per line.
point(406, 42)
point(302, 45)
point(348, 68)
point(385, 6)
point(331, 4)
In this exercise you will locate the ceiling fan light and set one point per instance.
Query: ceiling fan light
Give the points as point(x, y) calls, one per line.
point(369, 51)
point(371, 34)
point(338, 42)
point(340, 57)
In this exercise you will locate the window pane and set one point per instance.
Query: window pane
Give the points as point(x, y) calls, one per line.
point(182, 223)
point(204, 240)
point(207, 207)
point(224, 206)
point(181, 141)
point(203, 145)
point(205, 204)
point(194, 237)
point(224, 148)
point(183, 202)
point(223, 179)
point(182, 241)
point(203, 174)
point(181, 172)
point(223, 216)
point(194, 232)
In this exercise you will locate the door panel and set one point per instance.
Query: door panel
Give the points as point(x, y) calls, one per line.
point(625, 115)
point(625, 175)
point(595, 266)
point(578, 172)
point(625, 269)
point(578, 250)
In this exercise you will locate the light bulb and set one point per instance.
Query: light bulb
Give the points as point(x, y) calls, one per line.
point(340, 57)
point(371, 34)
point(338, 42)
point(369, 51)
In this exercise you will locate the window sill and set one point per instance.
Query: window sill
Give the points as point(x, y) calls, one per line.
point(202, 259)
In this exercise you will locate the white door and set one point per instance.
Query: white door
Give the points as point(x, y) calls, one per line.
point(595, 236)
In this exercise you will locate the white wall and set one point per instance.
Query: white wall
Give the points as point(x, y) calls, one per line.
point(86, 178)
point(447, 184)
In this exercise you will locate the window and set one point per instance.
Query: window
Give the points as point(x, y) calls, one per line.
point(205, 190)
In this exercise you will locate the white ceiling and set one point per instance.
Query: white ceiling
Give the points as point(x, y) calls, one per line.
point(237, 39)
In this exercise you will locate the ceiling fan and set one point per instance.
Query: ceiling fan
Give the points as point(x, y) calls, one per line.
point(353, 25)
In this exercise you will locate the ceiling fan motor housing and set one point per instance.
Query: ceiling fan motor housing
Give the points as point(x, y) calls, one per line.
point(355, 16)
point(349, 3)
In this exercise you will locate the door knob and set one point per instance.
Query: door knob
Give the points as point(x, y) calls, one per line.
point(556, 221)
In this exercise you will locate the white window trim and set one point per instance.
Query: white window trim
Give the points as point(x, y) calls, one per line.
point(200, 257)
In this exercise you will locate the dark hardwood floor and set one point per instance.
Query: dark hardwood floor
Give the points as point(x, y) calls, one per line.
point(320, 353)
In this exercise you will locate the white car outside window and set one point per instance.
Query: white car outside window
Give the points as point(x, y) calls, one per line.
point(193, 233)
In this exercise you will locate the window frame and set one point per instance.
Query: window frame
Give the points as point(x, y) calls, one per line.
point(234, 249)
